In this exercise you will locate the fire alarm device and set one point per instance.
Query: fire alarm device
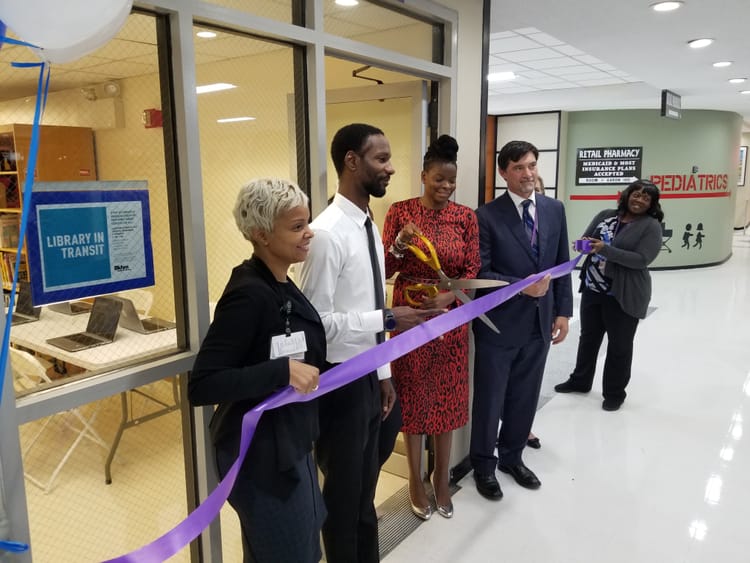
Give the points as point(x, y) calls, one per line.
point(151, 118)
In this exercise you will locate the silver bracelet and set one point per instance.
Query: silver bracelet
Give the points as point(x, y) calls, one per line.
point(395, 252)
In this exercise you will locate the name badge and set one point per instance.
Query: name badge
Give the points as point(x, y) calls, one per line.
point(293, 346)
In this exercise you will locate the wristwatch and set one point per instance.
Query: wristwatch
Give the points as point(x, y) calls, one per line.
point(389, 320)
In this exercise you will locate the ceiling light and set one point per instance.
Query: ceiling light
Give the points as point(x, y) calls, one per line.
point(206, 34)
point(665, 6)
point(214, 87)
point(722, 64)
point(737, 80)
point(347, 3)
point(234, 119)
point(744, 91)
point(700, 43)
point(501, 76)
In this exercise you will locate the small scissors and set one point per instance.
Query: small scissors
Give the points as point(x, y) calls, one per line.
point(454, 285)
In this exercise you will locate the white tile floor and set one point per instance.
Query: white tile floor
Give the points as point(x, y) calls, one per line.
point(665, 479)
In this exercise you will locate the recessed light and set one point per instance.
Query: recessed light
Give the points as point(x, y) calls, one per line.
point(722, 64)
point(700, 43)
point(206, 34)
point(745, 92)
point(214, 87)
point(235, 119)
point(737, 80)
point(665, 6)
point(501, 76)
point(347, 3)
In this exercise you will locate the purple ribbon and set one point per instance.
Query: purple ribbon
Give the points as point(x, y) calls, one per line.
point(178, 537)
point(582, 245)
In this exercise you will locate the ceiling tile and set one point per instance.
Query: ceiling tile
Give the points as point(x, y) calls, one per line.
point(555, 62)
point(119, 69)
point(601, 81)
point(588, 59)
point(573, 69)
point(545, 39)
point(569, 50)
point(514, 90)
point(533, 74)
point(578, 76)
point(502, 35)
point(531, 54)
point(558, 86)
point(504, 67)
point(526, 30)
point(516, 43)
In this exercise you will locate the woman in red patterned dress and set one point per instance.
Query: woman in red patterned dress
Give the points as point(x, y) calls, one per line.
point(432, 382)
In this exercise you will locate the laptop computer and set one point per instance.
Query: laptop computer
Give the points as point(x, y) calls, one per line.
point(25, 311)
point(129, 319)
point(71, 307)
point(101, 328)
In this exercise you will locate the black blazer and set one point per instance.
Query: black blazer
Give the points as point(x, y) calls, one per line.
point(233, 369)
point(506, 254)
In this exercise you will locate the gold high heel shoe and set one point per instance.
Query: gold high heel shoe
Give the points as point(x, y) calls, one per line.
point(445, 511)
point(424, 513)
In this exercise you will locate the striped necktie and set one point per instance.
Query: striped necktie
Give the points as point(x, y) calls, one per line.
point(529, 226)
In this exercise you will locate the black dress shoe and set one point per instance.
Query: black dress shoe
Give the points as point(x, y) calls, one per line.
point(534, 443)
point(488, 486)
point(570, 386)
point(612, 404)
point(522, 474)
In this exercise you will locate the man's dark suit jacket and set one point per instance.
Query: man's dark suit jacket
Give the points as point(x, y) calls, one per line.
point(506, 255)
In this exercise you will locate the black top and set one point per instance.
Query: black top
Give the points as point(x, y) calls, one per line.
point(233, 369)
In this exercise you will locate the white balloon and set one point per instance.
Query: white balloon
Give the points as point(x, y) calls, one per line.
point(65, 31)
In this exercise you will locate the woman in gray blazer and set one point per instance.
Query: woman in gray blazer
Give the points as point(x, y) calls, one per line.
point(616, 289)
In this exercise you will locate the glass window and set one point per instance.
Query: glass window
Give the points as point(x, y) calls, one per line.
point(280, 10)
point(383, 27)
point(248, 129)
point(101, 126)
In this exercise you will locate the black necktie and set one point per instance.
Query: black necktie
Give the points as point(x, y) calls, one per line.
point(377, 280)
point(528, 223)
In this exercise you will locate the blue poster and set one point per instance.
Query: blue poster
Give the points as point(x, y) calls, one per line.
point(88, 238)
point(74, 237)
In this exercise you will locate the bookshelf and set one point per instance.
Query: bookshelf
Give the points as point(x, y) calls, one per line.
point(65, 154)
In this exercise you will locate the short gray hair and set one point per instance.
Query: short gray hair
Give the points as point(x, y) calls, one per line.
point(262, 200)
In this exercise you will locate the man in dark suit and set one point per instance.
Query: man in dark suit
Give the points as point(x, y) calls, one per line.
point(521, 233)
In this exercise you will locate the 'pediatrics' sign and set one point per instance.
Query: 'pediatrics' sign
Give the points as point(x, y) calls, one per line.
point(88, 238)
point(608, 165)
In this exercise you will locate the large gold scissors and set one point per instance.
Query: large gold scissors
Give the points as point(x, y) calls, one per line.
point(456, 286)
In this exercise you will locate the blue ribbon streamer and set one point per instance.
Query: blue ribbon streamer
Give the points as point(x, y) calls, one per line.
point(13, 546)
point(41, 103)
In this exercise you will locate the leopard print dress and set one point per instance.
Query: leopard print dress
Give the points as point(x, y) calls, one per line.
point(432, 382)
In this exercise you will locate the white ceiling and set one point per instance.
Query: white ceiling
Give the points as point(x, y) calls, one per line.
point(568, 55)
point(618, 54)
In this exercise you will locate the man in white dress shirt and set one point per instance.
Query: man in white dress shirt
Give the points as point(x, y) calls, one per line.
point(337, 277)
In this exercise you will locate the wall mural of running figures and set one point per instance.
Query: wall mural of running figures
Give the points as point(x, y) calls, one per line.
point(688, 242)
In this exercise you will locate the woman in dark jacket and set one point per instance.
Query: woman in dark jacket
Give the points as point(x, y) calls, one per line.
point(616, 289)
point(266, 335)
